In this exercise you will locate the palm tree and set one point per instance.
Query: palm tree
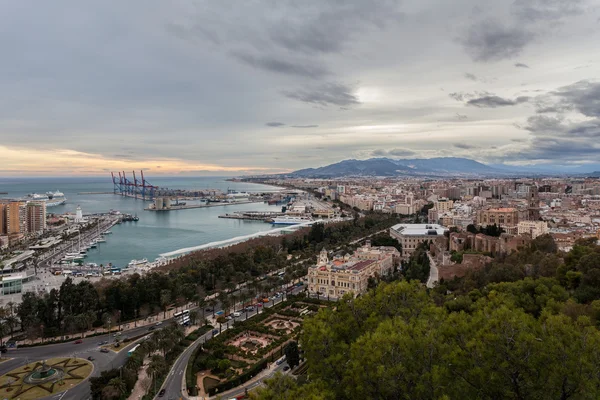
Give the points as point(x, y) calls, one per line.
point(221, 320)
point(213, 303)
point(193, 317)
point(119, 386)
point(157, 365)
point(12, 321)
point(165, 298)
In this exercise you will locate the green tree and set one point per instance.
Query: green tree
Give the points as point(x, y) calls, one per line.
point(292, 355)
point(165, 300)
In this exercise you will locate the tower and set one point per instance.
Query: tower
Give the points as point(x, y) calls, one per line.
point(78, 215)
point(323, 257)
point(534, 203)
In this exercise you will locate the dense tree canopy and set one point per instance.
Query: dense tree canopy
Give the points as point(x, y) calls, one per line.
point(524, 327)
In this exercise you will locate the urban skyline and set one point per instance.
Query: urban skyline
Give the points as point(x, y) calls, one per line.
point(208, 88)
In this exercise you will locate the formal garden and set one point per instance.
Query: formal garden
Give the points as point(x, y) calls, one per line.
point(244, 350)
point(44, 378)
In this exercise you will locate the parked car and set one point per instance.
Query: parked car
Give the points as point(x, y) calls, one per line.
point(158, 323)
point(208, 310)
point(104, 350)
point(161, 393)
point(236, 314)
point(78, 341)
point(215, 331)
point(91, 358)
point(258, 305)
point(152, 328)
point(286, 368)
point(250, 308)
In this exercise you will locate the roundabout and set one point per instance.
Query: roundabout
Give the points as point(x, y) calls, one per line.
point(44, 378)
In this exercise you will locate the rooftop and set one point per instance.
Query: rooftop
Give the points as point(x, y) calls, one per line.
point(419, 229)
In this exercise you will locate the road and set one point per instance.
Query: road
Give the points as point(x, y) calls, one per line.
point(88, 347)
point(175, 386)
point(433, 272)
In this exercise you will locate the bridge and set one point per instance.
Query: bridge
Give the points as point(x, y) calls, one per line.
point(238, 239)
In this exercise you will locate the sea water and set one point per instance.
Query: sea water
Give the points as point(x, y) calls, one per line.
point(155, 232)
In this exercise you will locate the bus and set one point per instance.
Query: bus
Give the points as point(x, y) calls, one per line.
point(133, 349)
point(182, 317)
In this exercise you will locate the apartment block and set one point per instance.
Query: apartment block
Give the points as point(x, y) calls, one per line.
point(533, 228)
point(411, 236)
point(36, 216)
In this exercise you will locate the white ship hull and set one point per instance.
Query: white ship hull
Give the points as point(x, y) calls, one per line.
point(289, 220)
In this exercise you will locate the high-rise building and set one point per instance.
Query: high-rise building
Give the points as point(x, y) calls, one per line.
point(3, 228)
point(16, 218)
point(36, 216)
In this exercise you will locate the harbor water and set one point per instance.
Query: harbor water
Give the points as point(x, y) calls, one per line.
point(155, 232)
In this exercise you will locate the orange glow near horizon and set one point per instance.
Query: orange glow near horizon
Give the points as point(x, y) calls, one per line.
point(20, 162)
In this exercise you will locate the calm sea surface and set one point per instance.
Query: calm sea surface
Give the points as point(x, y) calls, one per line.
point(155, 232)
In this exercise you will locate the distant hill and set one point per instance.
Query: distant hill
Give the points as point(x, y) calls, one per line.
point(446, 164)
point(371, 167)
point(440, 166)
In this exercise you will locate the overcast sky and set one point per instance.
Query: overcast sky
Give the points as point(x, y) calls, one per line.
point(235, 87)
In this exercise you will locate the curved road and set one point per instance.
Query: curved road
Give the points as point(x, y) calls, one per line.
point(175, 386)
point(89, 347)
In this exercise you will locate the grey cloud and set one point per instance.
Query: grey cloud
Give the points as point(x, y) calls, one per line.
point(392, 153)
point(324, 95)
point(496, 101)
point(584, 96)
point(272, 64)
point(491, 40)
point(305, 126)
point(521, 65)
point(274, 124)
point(546, 10)
point(316, 27)
point(461, 117)
point(470, 76)
point(464, 146)
point(458, 96)
point(518, 140)
point(191, 33)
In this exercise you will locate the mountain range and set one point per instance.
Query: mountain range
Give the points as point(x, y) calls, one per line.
point(430, 167)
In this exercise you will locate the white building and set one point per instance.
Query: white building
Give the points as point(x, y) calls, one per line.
point(533, 228)
point(411, 236)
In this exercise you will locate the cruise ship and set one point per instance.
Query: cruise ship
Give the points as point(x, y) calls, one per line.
point(52, 199)
point(55, 199)
point(289, 220)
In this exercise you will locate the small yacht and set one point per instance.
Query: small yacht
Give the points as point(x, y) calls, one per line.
point(100, 240)
point(137, 263)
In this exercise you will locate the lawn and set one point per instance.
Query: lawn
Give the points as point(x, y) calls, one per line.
point(13, 387)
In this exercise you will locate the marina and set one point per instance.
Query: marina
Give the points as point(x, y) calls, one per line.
point(155, 232)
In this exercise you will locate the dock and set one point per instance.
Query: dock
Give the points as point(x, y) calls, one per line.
point(252, 215)
point(176, 207)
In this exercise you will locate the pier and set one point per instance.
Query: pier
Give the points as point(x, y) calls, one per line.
point(175, 207)
point(253, 215)
point(83, 193)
